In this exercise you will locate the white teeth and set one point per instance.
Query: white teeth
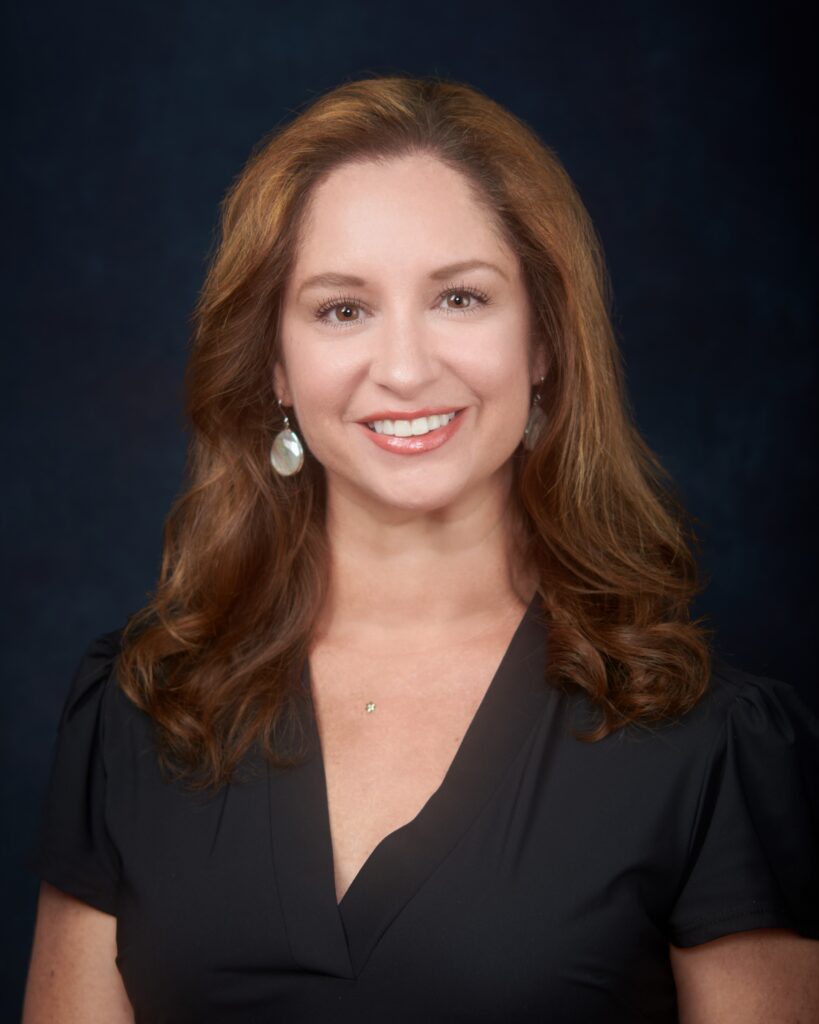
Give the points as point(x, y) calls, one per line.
point(411, 428)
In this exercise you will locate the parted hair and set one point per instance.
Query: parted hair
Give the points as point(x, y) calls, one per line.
point(214, 655)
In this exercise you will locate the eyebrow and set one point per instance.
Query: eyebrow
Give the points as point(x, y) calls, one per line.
point(331, 278)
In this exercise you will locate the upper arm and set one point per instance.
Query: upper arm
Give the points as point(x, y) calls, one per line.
point(73, 977)
point(764, 976)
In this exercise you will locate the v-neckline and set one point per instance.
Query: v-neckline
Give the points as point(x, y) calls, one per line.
point(337, 937)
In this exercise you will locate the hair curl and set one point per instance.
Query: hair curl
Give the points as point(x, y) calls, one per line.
point(214, 656)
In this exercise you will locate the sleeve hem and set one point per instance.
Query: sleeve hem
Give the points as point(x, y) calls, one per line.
point(68, 882)
point(740, 920)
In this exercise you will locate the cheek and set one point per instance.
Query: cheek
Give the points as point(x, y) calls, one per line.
point(498, 374)
point(319, 379)
point(310, 374)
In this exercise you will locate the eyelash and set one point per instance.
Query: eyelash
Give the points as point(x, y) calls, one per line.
point(347, 300)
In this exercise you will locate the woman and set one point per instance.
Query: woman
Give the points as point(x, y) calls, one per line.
point(417, 726)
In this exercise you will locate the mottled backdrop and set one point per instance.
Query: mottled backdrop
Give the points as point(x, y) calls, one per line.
point(687, 130)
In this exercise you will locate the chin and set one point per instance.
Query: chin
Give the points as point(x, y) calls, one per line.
point(419, 499)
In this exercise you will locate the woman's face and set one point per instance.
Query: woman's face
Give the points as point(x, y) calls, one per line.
point(403, 301)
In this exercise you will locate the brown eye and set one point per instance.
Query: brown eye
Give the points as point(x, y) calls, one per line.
point(460, 300)
point(339, 311)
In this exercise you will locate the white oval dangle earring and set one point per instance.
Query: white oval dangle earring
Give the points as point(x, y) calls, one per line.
point(536, 424)
point(287, 451)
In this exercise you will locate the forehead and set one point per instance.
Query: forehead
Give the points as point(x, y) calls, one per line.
point(397, 209)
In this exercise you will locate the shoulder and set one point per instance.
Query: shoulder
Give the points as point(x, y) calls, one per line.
point(95, 667)
point(95, 702)
point(757, 729)
point(767, 734)
point(752, 831)
point(730, 684)
point(751, 708)
point(73, 849)
point(741, 705)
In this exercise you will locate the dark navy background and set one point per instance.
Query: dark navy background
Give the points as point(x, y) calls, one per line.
point(687, 130)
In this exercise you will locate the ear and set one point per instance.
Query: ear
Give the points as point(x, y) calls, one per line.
point(280, 385)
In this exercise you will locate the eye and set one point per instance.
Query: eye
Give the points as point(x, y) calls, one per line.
point(348, 309)
point(464, 299)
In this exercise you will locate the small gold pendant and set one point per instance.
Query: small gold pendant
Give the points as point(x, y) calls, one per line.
point(370, 707)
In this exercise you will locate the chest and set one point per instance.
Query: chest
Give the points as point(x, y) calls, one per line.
point(534, 878)
point(390, 730)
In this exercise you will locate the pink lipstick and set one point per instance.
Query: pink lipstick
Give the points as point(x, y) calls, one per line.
point(417, 444)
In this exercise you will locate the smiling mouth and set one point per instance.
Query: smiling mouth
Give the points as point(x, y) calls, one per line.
point(412, 428)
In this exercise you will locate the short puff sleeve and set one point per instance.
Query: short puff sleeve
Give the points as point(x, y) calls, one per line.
point(754, 855)
point(73, 850)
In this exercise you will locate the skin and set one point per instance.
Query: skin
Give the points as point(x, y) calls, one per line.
point(419, 547)
point(764, 976)
point(73, 977)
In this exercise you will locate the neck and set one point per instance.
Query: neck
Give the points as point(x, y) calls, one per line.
point(395, 572)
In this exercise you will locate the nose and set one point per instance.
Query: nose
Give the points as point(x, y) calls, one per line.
point(403, 358)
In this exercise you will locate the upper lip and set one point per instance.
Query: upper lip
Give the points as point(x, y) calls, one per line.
point(413, 414)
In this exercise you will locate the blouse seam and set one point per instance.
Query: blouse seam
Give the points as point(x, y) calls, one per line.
point(718, 740)
point(108, 683)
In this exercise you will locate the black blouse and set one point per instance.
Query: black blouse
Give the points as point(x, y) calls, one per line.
point(543, 879)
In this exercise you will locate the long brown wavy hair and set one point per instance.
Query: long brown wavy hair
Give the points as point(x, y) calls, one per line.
point(214, 657)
